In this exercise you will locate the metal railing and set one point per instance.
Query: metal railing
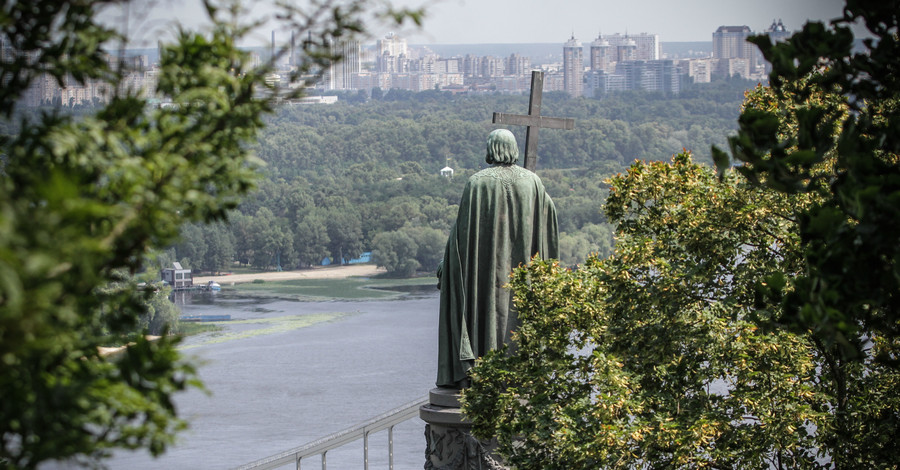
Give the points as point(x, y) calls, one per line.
point(361, 431)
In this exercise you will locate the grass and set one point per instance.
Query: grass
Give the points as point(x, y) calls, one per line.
point(263, 326)
point(190, 328)
point(327, 289)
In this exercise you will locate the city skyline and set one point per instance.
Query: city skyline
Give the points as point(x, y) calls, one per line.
point(540, 21)
point(629, 61)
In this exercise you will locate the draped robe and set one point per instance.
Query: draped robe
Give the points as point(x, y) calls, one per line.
point(505, 218)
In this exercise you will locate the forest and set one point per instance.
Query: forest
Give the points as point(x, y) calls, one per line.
point(364, 174)
point(747, 316)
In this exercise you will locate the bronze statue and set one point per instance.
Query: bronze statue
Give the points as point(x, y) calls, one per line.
point(505, 218)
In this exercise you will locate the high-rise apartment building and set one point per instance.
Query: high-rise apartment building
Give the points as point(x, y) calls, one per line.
point(600, 54)
point(492, 67)
point(648, 75)
point(472, 65)
point(340, 75)
point(730, 42)
point(573, 67)
point(518, 65)
point(739, 57)
point(641, 46)
point(392, 45)
point(626, 51)
point(391, 52)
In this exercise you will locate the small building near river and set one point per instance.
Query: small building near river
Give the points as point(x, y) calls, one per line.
point(178, 277)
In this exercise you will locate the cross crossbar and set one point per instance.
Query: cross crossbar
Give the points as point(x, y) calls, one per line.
point(533, 120)
point(537, 121)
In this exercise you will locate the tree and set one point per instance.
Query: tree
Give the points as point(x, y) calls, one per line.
point(849, 290)
point(311, 239)
point(396, 252)
point(575, 248)
point(161, 316)
point(344, 228)
point(83, 200)
point(407, 250)
point(220, 248)
point(654, 357)
point(192, 249)
point(272, 243)
point(430, 244)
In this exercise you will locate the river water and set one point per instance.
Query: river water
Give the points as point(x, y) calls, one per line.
point(276, 384)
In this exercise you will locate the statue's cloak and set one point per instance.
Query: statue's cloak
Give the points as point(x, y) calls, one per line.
point(505, 218)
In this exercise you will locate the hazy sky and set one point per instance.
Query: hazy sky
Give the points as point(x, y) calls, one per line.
point(544, 21)
point(555, 21)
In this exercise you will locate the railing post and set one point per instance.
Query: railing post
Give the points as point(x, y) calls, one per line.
point(366, 450)
point(324, 465)
point(391, 448)
point(298, 462)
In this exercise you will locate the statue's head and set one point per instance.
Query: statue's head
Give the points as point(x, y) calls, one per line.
point(502, 148)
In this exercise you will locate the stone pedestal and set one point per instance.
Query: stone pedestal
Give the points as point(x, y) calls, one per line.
point(449, 444)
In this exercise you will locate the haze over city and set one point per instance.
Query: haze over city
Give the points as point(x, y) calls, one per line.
point(541, 21)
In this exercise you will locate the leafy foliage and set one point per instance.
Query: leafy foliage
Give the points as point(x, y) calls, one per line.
point(654, 357)
point(848, 290)
point(409, 249)
point(83, 201)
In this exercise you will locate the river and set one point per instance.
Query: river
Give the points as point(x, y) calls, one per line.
point(276, 382)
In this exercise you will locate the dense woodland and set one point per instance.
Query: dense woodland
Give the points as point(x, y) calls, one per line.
point(748, 317)
point(363, 174)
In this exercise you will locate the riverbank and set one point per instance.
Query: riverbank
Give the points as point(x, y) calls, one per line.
point(267, 393)
point(319, 272)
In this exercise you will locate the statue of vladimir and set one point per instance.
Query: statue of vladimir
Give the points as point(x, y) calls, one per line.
point(505, 218)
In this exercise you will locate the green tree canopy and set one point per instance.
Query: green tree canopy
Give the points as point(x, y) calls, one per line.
point(654, 356)
point(84, 199)
point(849, 290)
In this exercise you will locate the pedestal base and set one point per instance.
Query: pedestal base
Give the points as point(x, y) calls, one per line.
point(449, 443)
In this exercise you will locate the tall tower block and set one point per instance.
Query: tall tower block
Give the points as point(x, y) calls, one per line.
point(573, 67)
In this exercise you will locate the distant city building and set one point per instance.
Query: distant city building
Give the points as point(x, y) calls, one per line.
point(777, 32)
point(471, 66)
point(700, 70)
point(737, 56)
point(573, 67)
point(517, 65)
point(626, 51)
point(730, 42)
point(552, 82)
point(392, 54)
point(649, 75)
point(600, 54)
point(339, 76)
point(641, 46)
point(392, 45)
point(492, 67)
point(451, 65)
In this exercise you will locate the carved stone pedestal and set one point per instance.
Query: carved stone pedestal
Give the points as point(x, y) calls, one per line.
point(449, 444)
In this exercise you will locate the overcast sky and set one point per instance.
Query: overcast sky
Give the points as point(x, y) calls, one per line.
point(555, 21)
point(544, 21)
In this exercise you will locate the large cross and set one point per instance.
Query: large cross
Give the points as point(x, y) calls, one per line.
point(533, 120)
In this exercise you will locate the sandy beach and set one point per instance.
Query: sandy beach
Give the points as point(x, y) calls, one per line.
point(319, 272)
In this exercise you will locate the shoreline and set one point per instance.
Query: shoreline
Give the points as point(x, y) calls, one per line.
point(319, 272)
